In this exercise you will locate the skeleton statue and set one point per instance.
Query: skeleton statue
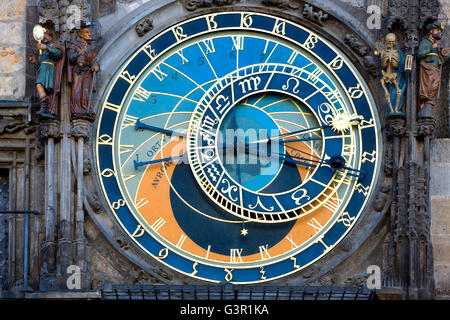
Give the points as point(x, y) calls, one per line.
point(394, 77)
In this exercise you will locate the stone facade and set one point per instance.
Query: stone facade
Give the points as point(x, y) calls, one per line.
point(41, 165)
point(13, 44)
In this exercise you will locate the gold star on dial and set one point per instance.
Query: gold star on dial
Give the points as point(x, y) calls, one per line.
point(244, 232)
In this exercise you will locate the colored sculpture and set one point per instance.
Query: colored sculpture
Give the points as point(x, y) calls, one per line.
point(82, 69)
point(431, 58)
point(394, 75)
point(49, 71)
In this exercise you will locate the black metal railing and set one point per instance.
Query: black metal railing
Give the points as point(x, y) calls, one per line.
point(230, 292)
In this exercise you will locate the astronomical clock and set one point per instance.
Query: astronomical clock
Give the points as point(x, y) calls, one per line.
point(237, 147)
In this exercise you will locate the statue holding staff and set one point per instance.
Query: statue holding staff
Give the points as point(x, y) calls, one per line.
point(431, 57)
point(82, 69)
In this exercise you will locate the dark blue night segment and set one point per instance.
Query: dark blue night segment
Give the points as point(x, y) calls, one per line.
point(107, 122)
point(323, 51)
point(346, 76)
point(335, 233)
point(296, 33)
point(369, 140)
point(362, 107)
point(309, 254)
point(357, 200)
point(193, 27)
point(138, 63)
point(148, 242)
point(263, 22)
point(228, 20)
point(164, 41)
point(118, 91)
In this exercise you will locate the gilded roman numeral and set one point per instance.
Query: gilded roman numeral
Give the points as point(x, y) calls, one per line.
point(236, 255)
point(141, 94)
point(264, 252)
point(181, 241)
point(158, 224)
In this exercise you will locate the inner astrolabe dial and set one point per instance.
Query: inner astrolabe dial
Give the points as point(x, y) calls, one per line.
point(237, 149)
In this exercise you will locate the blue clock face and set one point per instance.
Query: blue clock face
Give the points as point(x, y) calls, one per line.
point(237, 147)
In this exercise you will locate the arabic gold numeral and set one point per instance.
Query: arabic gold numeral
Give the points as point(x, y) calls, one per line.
point(179, 35)
point(246, 20)
point(263, 273)
point(346, 219)
point(139, 232)
point(194, 269)
point(371, 157)
point(364, 124)
point(150, 52)
point(125, 75)
point(279, 27)
point(211, 23)
point(119, 203)
point(296, 266)
point(163, 253)
point(356, 92)
point(336, 63)
point(108, 173)
point(310, 43)
point(229, 274)
point(361, 189)
point(105, 140)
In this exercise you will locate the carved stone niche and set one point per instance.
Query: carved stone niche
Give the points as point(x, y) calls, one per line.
point(314, 15)
point(81, 128)
point(49, 129)
point(192, 5)
point(143, 26)
point(283, 4)
point(49, 12)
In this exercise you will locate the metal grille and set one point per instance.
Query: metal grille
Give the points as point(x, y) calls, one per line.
point(229, 292)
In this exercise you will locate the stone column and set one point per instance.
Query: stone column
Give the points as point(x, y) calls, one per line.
point(49, 129)
point(80, 131)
